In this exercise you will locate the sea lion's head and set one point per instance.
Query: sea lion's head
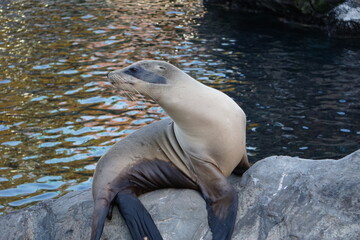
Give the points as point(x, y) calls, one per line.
point(148, 77)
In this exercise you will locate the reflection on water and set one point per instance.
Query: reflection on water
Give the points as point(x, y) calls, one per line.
point(58, 115)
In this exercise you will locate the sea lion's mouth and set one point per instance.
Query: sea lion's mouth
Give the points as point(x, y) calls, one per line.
point(112, 81)
point(131, 83)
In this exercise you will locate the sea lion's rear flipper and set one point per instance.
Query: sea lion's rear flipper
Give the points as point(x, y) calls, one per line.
point(137, 218)
point(243, 166)
point(101, 210)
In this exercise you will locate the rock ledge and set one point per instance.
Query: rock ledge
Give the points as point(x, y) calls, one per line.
point(279, 198)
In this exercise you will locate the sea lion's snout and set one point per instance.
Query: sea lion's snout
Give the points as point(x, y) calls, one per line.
point(120, 80)
point(111, 78)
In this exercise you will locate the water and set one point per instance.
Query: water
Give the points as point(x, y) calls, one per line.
point(300, 90)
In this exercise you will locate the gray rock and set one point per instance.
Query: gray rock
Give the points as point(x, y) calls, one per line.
point(292, 198)
point(344, 20)
point(279, 198)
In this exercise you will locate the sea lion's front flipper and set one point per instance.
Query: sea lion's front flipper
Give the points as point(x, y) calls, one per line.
point(220, 197)
point(142, 177)
point(137, 218)
point(222, 215)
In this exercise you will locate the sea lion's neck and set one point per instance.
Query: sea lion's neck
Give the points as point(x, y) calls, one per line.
point(191, 106)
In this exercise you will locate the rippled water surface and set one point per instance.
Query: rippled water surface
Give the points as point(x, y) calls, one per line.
point(300, 90)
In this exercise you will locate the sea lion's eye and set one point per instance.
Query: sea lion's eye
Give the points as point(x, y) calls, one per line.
point(162, 68)
point(133, 70)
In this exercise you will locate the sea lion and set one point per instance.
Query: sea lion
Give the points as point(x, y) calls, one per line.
point(200, 145)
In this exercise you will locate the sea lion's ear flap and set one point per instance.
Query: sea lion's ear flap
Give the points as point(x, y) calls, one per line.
point(162, 68)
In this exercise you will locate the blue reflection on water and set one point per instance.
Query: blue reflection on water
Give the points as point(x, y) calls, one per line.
point(28, 188)
point(81, 186)
point(40, 197)
point(11, 143)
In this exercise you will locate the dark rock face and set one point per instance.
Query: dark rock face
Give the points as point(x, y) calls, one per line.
point(344, 20)
point(279, 198)
point(340, 18)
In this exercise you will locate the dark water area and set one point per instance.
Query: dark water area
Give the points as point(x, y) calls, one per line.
point(299, 88)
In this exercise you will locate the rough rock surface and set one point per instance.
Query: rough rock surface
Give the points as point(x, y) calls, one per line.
point(339, 18)
point(279, 198)
point(344, 20)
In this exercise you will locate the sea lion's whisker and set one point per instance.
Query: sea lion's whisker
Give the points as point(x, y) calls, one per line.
point(129, 96)
point(141, 95)
point(148, 94)
point(128, 93)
